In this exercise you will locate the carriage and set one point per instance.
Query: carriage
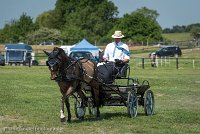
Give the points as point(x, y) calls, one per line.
point(108, 84)
point(119, 90)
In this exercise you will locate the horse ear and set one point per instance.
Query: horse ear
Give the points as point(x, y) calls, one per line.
point(46, 52)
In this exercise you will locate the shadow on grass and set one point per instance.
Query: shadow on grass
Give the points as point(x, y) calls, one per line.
point(105, 116)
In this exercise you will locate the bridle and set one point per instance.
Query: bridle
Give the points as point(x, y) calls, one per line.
point(64, 72)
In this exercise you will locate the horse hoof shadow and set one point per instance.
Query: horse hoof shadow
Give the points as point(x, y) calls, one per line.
point(62, 120)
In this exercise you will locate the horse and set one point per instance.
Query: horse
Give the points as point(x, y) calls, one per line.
point(72, 77)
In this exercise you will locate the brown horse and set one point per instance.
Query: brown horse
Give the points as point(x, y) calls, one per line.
point(73, 76)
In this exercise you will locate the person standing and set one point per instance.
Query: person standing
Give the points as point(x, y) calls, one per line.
point(117, 51)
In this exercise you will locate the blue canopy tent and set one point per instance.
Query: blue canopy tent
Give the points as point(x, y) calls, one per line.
point(84, 45)
point(17, 53)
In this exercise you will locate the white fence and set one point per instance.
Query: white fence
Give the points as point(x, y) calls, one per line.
point(168, 62)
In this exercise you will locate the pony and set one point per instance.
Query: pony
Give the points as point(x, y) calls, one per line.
point(72, 77)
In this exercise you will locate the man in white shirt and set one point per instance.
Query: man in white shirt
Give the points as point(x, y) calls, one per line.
point(116, 56)
point(117, 51)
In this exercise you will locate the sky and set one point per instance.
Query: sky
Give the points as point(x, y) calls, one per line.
point(172, 12)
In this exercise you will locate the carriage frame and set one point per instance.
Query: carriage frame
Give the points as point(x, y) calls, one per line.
point(131, 95)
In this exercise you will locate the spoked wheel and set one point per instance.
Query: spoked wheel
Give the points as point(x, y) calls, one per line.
point(132, 104)
point(79, 108)
point(149, 103)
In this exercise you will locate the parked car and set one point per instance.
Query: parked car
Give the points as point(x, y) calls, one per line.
point(169, 51)
point(2, 60)
point(82, 54)
point(47, 43)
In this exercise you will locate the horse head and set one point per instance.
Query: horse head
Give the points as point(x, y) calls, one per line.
point(56, 61)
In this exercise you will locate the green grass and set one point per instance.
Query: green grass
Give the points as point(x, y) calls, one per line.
point(178, 36)
point(30, 100)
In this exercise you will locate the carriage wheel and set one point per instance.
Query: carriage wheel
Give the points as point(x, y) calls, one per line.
point(132, 104)
point(79, 108)
point(149, 103)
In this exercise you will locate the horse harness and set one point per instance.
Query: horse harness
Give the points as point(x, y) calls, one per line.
point(68, 73)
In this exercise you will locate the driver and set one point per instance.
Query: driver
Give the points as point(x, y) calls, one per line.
point(116, 56)
point(117, 51)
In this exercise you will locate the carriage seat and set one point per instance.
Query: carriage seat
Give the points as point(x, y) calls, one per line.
point(107, 72)
point(121, 70)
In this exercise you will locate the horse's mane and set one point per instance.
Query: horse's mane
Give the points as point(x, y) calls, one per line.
point(61, 53)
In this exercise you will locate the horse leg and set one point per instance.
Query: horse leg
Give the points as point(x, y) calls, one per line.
point(68, 109)
point(96, 105)
point(83, 97)
point(62, 116)
point(81, 94)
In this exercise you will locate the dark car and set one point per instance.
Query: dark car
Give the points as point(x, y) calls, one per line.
point(47, 43)
point(169, 51)
point(2, 60)
point(82, 54)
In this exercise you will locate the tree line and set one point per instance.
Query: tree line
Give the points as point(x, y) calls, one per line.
point(182, 29)
point(72, 20)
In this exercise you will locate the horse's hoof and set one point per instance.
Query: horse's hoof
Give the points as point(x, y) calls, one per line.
point(98, 117)
point(81, 118)
point(63, 119)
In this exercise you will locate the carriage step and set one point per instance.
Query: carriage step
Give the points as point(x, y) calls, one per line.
point(117, 98)
point(114, 101)
point(120, 89)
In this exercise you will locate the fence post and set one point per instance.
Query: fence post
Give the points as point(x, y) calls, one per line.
point(176, 63)
point(193, 64)
point(142, 63)
point(156, 61)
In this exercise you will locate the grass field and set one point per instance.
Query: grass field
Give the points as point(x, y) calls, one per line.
point(178, 36)
point(30, 103)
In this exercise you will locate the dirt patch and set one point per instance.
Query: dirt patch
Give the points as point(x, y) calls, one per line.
point(9, 118)
point(159, 94)
point(198, 82)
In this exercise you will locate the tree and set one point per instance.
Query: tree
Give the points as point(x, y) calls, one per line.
point(10, 32)
point(44, 34)
point(140, 25)
point(148, 13)
point(195, 32)
point(16, 30)
point(24, 26)
point(175, 29)
point(190, 27)
point(85, 18)
point(45, 20)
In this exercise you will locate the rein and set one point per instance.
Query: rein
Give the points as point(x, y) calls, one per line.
point(70, 77)
point(73, 63)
